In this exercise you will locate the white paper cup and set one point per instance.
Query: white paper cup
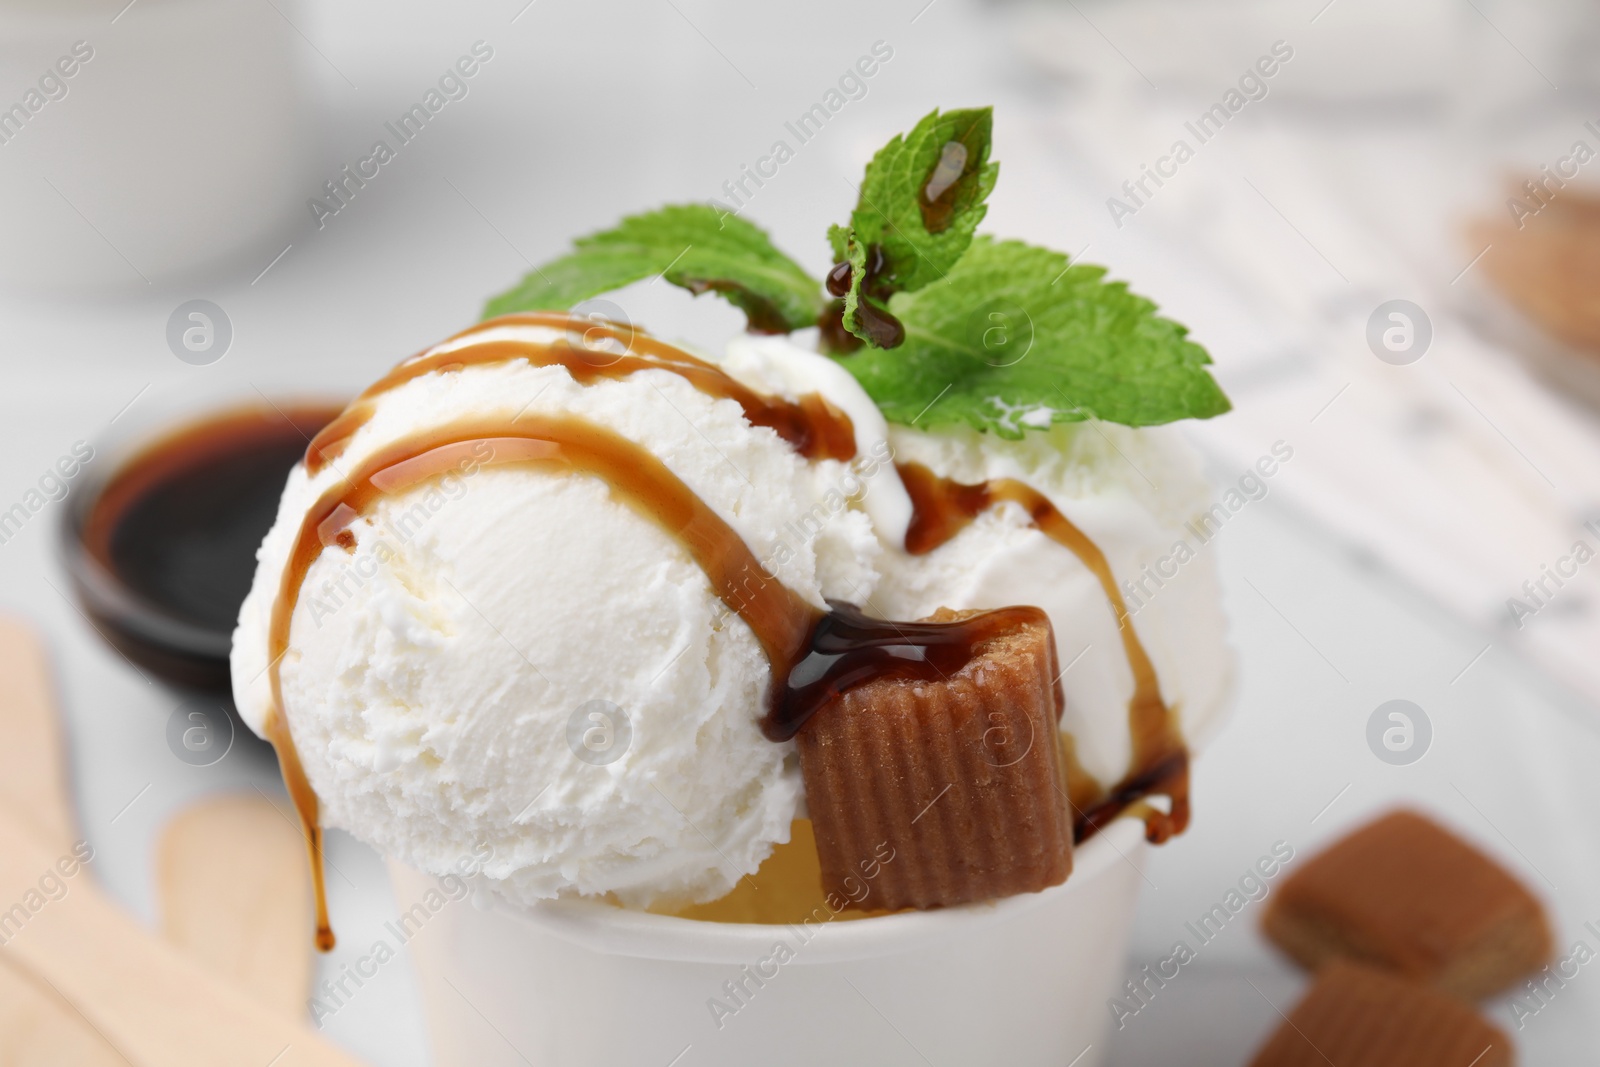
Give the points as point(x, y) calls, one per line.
point(1021, 981)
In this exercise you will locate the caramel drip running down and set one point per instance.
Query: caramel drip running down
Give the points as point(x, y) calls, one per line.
point(942, 508)
point(815, 428)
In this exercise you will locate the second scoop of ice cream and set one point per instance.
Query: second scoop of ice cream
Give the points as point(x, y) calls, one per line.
point(1135, 494)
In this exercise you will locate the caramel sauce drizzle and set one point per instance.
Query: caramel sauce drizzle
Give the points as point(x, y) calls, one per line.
point(942, 508)
point(593, 350)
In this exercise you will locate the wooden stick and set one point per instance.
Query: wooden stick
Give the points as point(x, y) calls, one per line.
point(37, 1028)
point(32, 772)
point(81, 982)
point(157, 1007)
point(231, 872)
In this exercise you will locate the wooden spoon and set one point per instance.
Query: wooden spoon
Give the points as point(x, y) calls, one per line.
point(231, 871)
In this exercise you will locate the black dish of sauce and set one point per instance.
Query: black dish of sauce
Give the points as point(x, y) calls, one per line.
point(162, 551)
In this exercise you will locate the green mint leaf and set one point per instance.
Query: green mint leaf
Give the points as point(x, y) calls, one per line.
point(695, 246)
point(921, 235)
point(1015, 338)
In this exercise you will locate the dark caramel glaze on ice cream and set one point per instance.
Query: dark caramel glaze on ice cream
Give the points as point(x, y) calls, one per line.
point(815, 655)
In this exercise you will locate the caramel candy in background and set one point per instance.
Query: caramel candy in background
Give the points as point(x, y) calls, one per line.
point(1358, 1016)
point(1549, 268)
point(1405, 894)
point(958, 780)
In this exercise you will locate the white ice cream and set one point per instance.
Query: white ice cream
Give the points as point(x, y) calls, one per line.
point(433, 674)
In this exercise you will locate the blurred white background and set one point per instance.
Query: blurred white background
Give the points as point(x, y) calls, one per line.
point(179, 161)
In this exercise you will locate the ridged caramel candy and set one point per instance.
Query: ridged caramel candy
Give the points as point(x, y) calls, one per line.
point(959, 778)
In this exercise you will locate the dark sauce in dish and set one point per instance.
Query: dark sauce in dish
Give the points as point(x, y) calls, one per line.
point(177, 527)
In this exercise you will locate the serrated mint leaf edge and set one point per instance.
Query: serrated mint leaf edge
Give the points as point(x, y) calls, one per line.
point(869, 219)
point(1210, 402)
point(682, 268)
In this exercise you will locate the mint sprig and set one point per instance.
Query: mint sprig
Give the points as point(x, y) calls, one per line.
point(690, 245)
point(960, 330)
point(1014, 338)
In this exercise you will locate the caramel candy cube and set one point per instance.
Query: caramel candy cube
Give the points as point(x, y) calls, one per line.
point(1406, 894)
point(1358, 1016)
point(956, 780)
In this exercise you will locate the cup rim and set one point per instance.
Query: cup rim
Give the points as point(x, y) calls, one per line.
point(610, 930)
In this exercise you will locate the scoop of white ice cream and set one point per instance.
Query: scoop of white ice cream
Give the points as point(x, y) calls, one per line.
point(1134, 492)
point(443, 678)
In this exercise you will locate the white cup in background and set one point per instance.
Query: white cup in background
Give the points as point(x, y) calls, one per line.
point(180, 140)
